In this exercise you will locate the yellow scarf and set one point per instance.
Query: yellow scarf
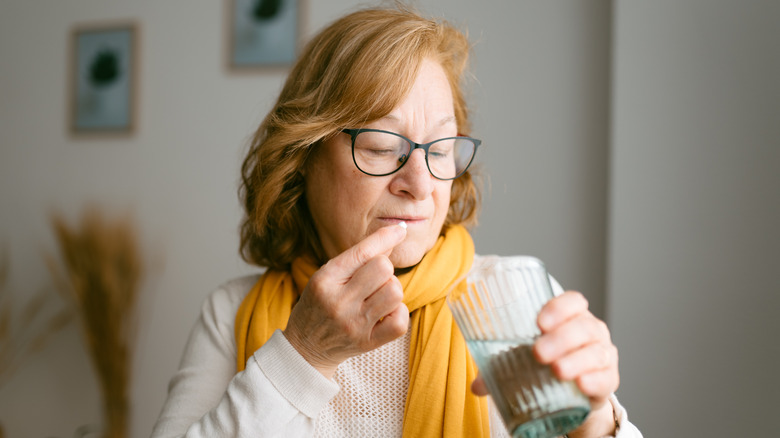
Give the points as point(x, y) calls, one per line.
point(439, 402)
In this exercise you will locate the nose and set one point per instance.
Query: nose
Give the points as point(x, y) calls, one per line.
point(413, 178)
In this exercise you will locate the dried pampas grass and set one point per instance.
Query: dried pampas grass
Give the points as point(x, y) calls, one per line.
point(24, 329)
point(101, 272)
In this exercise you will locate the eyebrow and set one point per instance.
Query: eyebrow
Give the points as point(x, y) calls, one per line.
point(445, 120)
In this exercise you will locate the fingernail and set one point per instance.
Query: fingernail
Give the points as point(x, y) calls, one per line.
point(402, 224)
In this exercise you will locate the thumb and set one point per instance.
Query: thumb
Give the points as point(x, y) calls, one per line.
point(478, 386)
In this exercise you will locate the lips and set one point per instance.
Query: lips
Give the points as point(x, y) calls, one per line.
point(410, 220)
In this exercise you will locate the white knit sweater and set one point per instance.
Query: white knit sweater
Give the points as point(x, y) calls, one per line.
point(279, 394)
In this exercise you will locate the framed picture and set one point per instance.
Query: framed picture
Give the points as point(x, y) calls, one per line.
point(103, 83)
point(262, 33)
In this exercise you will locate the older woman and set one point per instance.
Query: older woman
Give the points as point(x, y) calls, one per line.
point(356, 191)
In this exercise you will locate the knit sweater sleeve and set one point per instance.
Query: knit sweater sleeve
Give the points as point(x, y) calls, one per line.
point(278, 394)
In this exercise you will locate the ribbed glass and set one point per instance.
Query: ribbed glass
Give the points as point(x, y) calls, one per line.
point(496, 309)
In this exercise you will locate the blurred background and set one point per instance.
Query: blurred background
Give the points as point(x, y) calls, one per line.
point(633, 146)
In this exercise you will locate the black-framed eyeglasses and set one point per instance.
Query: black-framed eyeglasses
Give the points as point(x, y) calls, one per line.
point(380, 153)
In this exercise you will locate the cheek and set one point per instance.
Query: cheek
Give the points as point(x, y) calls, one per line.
point(341, 201)
point(441, 201)
point(442, 197)
point(352, 194)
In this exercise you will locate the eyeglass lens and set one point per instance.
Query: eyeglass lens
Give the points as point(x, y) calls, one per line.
point(380, 153)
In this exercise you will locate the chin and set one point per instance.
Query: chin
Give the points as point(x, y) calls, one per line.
point(406, 255)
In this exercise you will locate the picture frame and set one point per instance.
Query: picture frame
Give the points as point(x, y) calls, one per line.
point(103, 78)
point(262, 34)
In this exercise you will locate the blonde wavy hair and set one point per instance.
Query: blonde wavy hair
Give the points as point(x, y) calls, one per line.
point(355, 71)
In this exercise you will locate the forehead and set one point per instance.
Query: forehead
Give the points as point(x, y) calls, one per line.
point(429, 102)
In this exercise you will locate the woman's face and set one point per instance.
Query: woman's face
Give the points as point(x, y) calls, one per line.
point(348, 205)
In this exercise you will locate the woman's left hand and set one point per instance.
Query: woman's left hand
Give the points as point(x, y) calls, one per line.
point(578, 346)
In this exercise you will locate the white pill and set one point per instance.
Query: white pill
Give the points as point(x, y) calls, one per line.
point(402, 224)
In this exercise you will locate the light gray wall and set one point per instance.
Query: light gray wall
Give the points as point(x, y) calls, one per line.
point(542, 109)
point(694, 248)
point(541, 106)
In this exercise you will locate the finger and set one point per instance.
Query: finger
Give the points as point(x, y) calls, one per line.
point(368, 278)
point(560, 309)
point(571, 335)
point(588, 359)
point(384, 300)
point(381, 241)
point(599, 384)
point(478, 386)
point(392, 326)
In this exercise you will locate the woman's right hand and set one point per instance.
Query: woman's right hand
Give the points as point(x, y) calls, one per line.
point(352, 304)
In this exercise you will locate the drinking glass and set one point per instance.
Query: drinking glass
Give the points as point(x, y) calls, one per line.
point(496, 309)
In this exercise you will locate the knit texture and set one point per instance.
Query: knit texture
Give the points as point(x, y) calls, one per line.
point(373, 391)
point(372, 396)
